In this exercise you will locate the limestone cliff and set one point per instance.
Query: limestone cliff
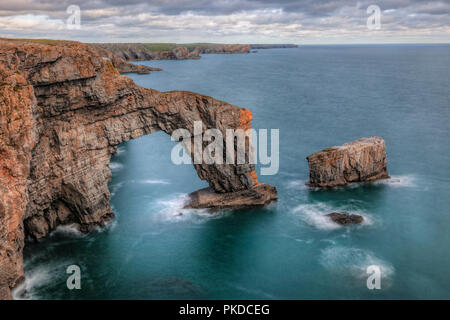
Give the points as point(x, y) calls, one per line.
point(124, 66)
point(357, 161)
point(169, 51)
point(64, 109)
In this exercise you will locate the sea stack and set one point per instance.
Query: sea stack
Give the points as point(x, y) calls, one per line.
point(357, 161)
point(258, 196)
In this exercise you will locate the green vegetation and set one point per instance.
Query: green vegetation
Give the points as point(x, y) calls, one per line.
point(192, 46)
point(41, 41)
point(155, 47)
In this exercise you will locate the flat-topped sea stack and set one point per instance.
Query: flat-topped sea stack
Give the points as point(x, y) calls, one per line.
point(64, 109)
point(257, 196)
point(361, 160)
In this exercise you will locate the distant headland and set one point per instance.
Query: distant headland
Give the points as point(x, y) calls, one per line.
point(174, 51)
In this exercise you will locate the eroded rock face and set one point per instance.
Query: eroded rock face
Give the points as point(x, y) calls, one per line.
point(64, 109)
point(357, 161)
point(122, 65)
point(148, 51)
point(257, 196)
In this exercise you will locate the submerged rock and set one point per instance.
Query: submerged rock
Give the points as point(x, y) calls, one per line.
point(357, 161)
point(257, 196)
point(345, 218)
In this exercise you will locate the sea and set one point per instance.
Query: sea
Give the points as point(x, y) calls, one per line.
point(317, 97)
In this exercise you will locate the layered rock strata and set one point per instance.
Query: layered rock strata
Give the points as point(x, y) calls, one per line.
point(64, 109)
point(257, 196)
point(357, 161)
point(122, 65)
point(169, 51)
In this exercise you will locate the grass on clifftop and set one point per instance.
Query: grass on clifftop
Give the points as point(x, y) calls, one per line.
point(41, 41)
point(154, 47)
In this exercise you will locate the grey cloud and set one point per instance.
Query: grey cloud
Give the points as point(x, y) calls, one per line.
point(220, 18)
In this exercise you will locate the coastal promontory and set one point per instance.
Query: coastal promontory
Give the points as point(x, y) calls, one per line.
point(170, 51)
point(64, 109)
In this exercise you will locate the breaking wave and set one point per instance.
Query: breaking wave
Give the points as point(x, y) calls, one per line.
point(115, 166)
point(316, 215)
point(70, 230)
point(120, 151)
point(45, 275)
point(298, 185)
point(401, 181)
point(353, 262)
point(172, 210)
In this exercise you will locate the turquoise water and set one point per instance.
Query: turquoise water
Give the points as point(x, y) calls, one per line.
point(318, 96)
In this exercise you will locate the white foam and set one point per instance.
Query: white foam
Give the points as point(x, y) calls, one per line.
point(172, 210)
point(316, 215)
point(298, 185)
point(115, 166)
point(353, 261)
point(153, 181)
point(70, 230)
point(402, 181)
point(41, 276)
point(35, 279)
point(120, 151)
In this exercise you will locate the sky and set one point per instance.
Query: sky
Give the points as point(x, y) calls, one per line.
point(229, 21)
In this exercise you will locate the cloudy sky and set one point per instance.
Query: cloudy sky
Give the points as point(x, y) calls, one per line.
point(229, 21)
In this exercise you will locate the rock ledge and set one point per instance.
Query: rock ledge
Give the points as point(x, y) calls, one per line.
point(257, 196)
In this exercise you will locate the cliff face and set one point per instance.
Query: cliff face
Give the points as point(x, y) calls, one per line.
point(17, 138)
point(122, 65)
point(357, 161)
point(169, 51)
point(64, 109)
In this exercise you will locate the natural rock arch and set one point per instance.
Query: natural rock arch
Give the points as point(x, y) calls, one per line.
point(64, 110)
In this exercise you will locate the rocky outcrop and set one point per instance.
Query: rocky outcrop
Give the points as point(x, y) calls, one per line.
point(257, 196)
point(357, 161)
point(122, 65)
point(221, 49)
point(344, 218)
point(169, 51)
point(64, 109)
